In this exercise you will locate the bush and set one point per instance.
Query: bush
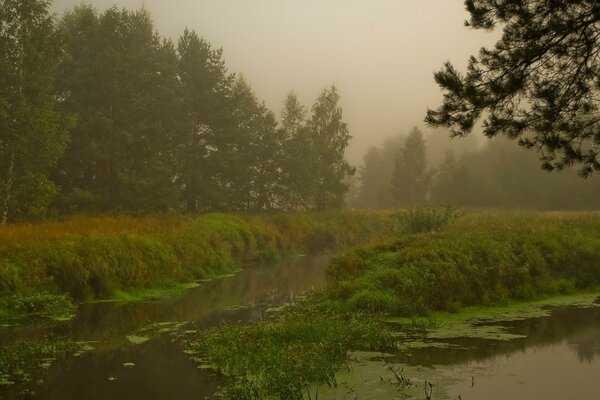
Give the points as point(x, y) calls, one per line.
point(427, 219)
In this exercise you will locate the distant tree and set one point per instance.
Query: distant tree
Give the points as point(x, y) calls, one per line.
point(206, 86)
point(540, 84)
point(444, 186)
point(376, 174)
point(411, 180)
point(32, 133)
point(370, 173)
point(120, 79)
point(330, 136)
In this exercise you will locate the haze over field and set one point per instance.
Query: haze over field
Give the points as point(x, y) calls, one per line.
point(380, 53)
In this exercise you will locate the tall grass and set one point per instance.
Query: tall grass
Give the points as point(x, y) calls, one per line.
point(90, 258)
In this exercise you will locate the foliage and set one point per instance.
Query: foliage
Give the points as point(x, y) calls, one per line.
point(32, 133)
point(205, 88)
point(119, 78)
point(539, 84)
point(286, 357)
point(482, 259)
point(330, 137)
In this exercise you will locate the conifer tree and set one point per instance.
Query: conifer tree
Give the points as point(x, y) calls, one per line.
point(540, 84)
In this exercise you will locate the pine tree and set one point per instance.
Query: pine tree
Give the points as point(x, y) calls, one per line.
point(538, 85)
point(120, 79)
point(206, 86)
point(32, 133)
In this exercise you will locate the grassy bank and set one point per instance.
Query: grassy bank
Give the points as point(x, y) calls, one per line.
point(438, 262)
point(482, 259)
point(44, 267)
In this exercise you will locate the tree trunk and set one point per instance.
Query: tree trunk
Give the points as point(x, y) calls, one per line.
point(8, 191)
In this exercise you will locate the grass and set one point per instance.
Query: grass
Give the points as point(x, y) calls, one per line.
point(84, 259)
point(483, 259)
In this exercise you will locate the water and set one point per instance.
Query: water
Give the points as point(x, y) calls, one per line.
point(558, 357)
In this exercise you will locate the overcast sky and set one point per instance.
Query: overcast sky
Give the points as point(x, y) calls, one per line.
point(380, 53)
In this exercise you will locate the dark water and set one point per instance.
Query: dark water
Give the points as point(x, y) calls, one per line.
point(559, 357)
point(161, 369)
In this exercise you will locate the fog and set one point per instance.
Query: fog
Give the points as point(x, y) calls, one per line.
point(380, 53)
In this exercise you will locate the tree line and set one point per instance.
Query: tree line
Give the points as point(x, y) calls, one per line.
point(99, 113)
point(402, 173)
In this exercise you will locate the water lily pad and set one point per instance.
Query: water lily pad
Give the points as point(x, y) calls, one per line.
point(137, 339)
point(128, 365)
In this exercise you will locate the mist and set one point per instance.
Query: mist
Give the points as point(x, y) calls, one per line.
point(381, 54)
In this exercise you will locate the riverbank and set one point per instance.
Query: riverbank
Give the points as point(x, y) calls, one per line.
point(46, 268)
point(482, 259)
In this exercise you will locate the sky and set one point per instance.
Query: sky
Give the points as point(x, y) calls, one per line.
point(381, 54)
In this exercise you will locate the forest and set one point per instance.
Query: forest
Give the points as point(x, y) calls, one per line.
point(167, 233)
point(134, 123)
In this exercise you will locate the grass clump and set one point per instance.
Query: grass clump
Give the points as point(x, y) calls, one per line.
point(428, 219)
point(57, 306)
point(286, 357)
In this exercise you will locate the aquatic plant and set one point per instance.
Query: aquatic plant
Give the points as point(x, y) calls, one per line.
point(289, 356)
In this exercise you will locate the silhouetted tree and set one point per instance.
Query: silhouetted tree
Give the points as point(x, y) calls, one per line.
point(540, 84)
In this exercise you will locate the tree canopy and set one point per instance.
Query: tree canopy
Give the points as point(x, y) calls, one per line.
point(540, 84)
